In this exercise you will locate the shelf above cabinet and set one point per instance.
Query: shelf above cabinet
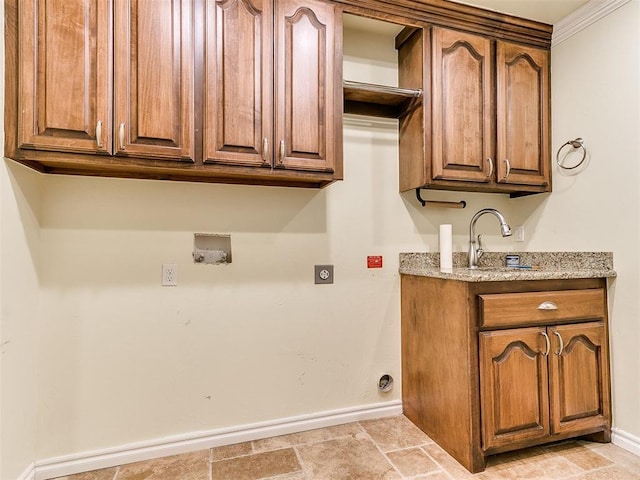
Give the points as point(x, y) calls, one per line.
point(379, 100)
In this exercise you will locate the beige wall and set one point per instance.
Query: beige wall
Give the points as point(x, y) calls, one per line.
point(121, 359)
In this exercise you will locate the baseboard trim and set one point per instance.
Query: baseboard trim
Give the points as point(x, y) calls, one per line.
point(191, 442)
point(625, 440)
point(583, 17)
point(29, 473)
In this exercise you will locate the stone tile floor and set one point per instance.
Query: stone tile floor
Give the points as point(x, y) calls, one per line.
point(383, 449)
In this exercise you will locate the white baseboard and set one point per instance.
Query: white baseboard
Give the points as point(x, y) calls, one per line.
point(625, 440)
point(191, 442)
point(29, 473)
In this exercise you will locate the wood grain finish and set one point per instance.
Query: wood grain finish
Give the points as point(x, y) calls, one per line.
point(239, 82)
point(153, 71)
point(512, 309)
point(478, 391)
point(579, 374)
point(307, 84)
point(462, 91)
point(65, 83)
point(523, 115)
point(514, 386)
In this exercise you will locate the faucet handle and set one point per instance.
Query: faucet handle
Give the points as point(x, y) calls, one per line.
point(480, 250)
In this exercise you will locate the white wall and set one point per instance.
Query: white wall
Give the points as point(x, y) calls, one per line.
point(121, 359)
point(19, 301)
point(596, 95)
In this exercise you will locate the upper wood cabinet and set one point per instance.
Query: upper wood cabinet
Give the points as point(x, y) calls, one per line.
point(486, 125)
point(153, 79)
point(523, 115)
point(64, 87)
point(273, 84)
point(241, 91)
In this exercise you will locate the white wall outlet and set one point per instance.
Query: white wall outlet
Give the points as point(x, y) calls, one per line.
point(169, 274)
point(519, 236)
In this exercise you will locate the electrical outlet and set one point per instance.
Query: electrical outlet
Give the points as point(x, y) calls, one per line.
point(519, 236)
point(169, 274)
point(323, 274)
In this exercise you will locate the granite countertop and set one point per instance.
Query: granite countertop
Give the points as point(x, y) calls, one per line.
point(544, 266)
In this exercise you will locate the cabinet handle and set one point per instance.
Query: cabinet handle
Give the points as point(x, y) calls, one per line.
point(547, 306)
point(282, 153)
point(508, 165)
point(559, 352)
point(265, 150)
point(546, 339)
point(121, 135)
point(99, 134)
point(490, 160)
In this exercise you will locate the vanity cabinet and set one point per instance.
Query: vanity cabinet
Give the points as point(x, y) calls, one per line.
point(490, 367)
point(486, 127)
point(273, 84)
point(234, 91)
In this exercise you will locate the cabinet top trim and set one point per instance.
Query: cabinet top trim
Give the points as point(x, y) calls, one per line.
point(453, 15)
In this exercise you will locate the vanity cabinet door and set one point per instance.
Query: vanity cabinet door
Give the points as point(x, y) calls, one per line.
point(523, 115)
point(64, 86)
point(462, 140)
point(514, 386)
point(579, 377)
point(153, 72)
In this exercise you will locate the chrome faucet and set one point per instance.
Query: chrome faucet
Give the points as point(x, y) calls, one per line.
point(475, 252)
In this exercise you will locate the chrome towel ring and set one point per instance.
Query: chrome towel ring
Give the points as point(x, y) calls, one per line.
point(575, 144)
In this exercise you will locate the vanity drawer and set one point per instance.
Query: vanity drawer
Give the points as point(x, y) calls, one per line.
point(535, 308)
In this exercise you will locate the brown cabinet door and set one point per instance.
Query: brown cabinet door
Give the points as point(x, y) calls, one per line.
point(238, 87)
point(522, 114)
point(578, 377)
point(153, 72)
point(308, 85)
point(462, 140)
point(513, 384)
point(65, 76)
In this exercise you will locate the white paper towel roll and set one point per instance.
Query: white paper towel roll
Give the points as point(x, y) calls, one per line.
point(446, 248)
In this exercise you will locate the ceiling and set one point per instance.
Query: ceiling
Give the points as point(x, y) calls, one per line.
point(546, 11)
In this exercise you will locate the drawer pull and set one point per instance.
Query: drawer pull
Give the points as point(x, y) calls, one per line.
point(546, 339)
point(547, 306)
point(559, 352)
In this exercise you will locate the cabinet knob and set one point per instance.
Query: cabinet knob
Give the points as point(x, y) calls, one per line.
point(546, 339)
point(559, 352)
point(265, 150)
point(547, 306)
point(490, 160)
point(99, 134)
point(282, 153)
point(508, 165)
point(121, 135)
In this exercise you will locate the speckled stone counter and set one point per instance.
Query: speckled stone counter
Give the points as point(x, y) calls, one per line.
point(544, 266)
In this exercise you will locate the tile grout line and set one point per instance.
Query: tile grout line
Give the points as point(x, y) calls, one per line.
point(402, 477)
point(446, 472)
point(303, 467)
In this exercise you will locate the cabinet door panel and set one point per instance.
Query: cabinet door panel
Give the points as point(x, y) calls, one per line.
point(579, 379)
point(238, 84)
point(65, 75)
point(462, 114)
point(522, 114)
point(308, 85)
point(513, 384)
point(154, 78)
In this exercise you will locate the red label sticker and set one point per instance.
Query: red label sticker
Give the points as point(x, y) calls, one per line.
point(374, 261)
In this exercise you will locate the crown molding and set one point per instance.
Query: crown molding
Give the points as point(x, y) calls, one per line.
point(583, 17)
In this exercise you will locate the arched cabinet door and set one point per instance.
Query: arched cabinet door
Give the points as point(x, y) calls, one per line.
point(579, 377)
point(462, 92)
point(523, 115)
point(514, 387)
point(308, 86)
